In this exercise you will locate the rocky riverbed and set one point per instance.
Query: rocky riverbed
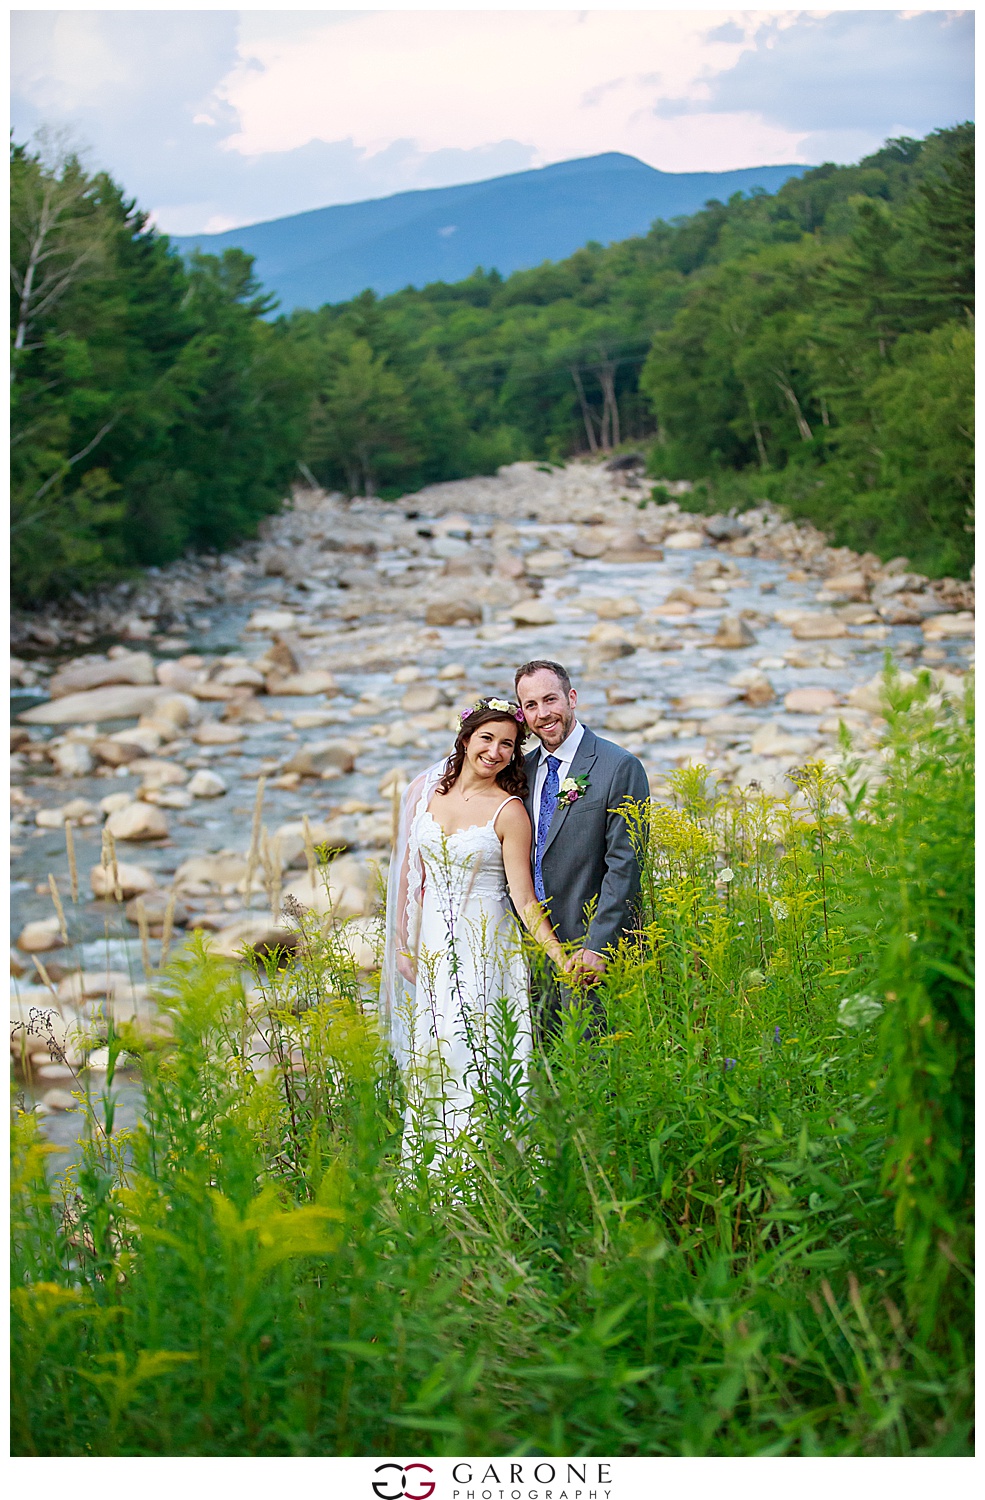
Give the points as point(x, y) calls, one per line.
point(187, 726)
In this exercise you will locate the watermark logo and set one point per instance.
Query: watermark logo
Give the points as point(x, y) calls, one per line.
point(403, 1481)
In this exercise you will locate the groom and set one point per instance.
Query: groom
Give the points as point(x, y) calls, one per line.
point(581, 851)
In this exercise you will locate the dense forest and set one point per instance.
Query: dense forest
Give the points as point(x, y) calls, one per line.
point(812, 346)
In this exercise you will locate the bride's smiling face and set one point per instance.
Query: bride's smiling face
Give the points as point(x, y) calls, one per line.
point(490, 747)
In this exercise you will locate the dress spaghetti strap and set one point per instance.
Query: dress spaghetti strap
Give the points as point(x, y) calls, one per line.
point(499, 809)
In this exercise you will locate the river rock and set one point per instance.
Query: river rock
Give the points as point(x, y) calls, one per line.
point(772, 740)
point(40, 936)
point(95, 707)
point(79, 810)
point(818, 628)
point(588, 545)
point(545, 563)
point(172, 674)
point(733, 633)
point(534, 612)
point(138, 822)
point(632, 717)
point(239, 675)
point(136, 667)
point(134, 879)
point(683, 541)
point(938, 627)
point(324, 755)
point(156, 774)
point(224, 872)
point(452, 611)
point(167, 796)
point(93, 984)
point(176, 711)
point(71, 758)
point(155, 907)
point(307, 684)
point(207, 784)
point(112, 753)
point(59, 1100)
point(810, 700)
point(607, 642)
point(725, 528)
point(211, 732)
point(615, 609)
point(114, 801)
point(268, 621)
point(420, 698)
point(453, 671)
point(851, 587)
point(145, 739)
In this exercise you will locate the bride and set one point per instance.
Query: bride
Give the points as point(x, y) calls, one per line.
point(454, 983)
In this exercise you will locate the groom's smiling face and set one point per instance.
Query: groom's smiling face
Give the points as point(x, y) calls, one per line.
point(548, 710)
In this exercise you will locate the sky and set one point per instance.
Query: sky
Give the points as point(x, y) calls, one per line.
point(217, 118)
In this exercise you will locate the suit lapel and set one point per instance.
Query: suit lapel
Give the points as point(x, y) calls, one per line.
point(581, 765)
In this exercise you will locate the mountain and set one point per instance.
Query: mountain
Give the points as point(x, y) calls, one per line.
point(442, 234)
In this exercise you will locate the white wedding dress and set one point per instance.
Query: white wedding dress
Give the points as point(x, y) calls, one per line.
point(461, 1026)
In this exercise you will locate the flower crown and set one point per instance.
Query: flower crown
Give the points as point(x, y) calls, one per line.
point(501, 705)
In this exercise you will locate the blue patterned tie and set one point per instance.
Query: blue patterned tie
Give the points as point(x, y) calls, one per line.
point(548, 803)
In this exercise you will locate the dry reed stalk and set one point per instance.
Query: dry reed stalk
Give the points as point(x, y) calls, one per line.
point(73, 869)
point(276, 874)
point(108, 861)
point(168, 926)
point(45, 976)
point(143, 928)
point(62, 926)
point(252, 858)
point(309, 851)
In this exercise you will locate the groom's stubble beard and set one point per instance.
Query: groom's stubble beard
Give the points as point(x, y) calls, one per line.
point(557, 737)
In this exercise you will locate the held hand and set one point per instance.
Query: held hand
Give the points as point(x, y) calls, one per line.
point(585, 965)
point(407, 967)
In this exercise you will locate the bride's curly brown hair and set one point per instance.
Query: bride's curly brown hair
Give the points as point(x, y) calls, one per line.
point(512, 778)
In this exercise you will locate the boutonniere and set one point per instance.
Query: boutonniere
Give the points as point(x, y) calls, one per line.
point(572, 787)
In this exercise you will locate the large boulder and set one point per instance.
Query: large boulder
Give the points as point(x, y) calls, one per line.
point(95, 707)
point(136, 667)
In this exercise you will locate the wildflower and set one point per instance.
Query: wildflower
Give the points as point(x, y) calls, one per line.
point(776, 1036)
point(779, 909)
point(730, 1063)
point(726, 875)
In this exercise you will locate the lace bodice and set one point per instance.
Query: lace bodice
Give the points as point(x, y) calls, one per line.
point(468, 862)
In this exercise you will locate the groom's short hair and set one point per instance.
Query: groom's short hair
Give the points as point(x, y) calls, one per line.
point(529, 667)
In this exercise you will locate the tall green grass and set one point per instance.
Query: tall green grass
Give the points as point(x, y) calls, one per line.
point(737, 1222)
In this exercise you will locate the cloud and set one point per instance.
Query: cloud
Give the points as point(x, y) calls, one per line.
point(224, 118)
point(848, 74)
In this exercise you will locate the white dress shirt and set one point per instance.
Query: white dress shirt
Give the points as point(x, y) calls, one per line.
point(565, 753)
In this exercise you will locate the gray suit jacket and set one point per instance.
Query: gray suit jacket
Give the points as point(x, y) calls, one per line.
point(588, 854)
